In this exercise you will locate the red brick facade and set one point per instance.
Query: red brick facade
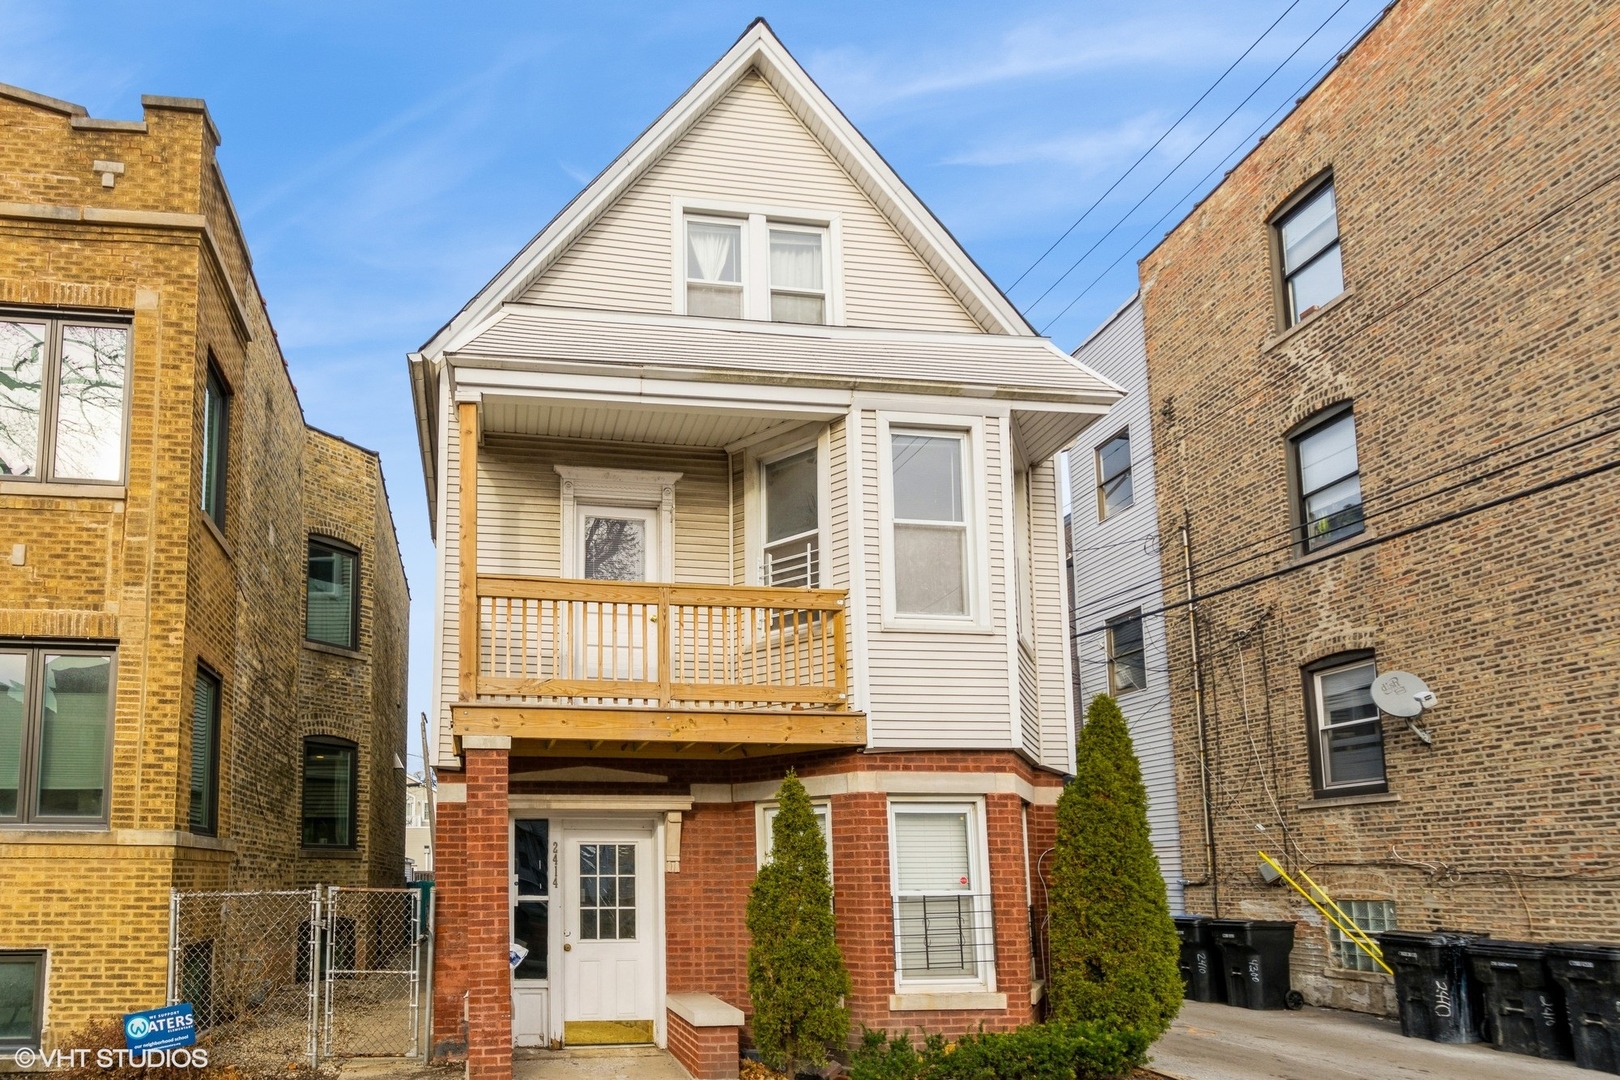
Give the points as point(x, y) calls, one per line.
point(706, 941)
point(708, 1053)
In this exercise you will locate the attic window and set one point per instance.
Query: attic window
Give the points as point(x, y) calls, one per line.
point(754, 266)
point(714, 269)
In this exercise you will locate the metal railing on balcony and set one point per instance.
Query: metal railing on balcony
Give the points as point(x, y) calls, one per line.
point(556, 641)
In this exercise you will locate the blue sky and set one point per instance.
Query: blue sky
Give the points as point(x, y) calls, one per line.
point(387, 159)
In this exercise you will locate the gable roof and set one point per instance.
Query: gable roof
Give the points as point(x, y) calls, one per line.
point(758, 49)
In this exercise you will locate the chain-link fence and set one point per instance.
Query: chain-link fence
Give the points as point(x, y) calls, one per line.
point(373, 946)
point(282, 978)
point(247, 963)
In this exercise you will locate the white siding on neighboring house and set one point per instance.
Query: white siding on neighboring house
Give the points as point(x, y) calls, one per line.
point(1116, 569)
point(1051, 626)
point(750, 148)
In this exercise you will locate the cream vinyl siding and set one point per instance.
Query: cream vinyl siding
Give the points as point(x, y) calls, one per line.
point(520, 520)
point(1051, 610)
point(838, 576)
point(750, 148)
point(449, 643)
point(1029, 702)
point(932, 688)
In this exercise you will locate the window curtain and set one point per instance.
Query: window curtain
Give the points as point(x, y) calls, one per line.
point(73, 730)
point(795, 261)
point(711, 251)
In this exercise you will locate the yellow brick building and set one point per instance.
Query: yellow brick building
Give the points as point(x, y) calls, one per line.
point(202, 605)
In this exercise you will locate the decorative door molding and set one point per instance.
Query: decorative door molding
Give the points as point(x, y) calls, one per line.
point(619, 487)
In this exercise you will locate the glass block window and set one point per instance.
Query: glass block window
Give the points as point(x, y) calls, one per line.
point(607, 892)
point(1372, 916)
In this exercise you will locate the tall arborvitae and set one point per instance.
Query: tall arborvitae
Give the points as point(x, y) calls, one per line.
point(796, 975)
point(1114, 947)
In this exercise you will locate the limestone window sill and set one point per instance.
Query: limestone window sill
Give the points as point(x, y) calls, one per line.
point(333, 650)
point(329, 853)
point(1310, 320)
point(1327, 803)
point(930, 1001)
point(58, 491)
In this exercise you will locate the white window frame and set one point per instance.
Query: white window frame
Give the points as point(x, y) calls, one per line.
point(756, 220)
point(975, 505)
point(766, 453)
point(763, 812)
point(978, 885)
point(1321, 727)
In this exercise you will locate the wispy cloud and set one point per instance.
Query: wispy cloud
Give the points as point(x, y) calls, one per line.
point(1086, 149)
point(1037, 49)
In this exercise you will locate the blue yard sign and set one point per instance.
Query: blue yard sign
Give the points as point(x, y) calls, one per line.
point(160, 1029)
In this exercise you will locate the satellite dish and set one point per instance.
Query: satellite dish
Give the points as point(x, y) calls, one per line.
point(1400, 693)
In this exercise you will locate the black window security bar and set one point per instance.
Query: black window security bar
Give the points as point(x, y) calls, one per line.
point(944, 936)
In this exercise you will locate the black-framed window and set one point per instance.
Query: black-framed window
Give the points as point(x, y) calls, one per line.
point(215, 445)
point(1114, 475)
point(1127, 658)
point(1308, 245)
point(203, 815)
point(1345, 728)
point(64, 383)
point(1327, 474)
point(332, 611)
point(22, 999)
point(56, 709)
point(331, 772)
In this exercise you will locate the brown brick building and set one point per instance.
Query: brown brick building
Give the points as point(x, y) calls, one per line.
point(1382, 360)
point(195, 584)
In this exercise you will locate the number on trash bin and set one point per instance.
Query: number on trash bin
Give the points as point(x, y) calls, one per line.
point(1254, 969)
point(1442, 998)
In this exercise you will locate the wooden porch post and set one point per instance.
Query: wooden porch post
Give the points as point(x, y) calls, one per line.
point(467, 683)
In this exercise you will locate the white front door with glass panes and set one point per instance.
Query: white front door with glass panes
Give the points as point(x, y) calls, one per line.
point(609, 937)
point(616, 640)
point(532, 869)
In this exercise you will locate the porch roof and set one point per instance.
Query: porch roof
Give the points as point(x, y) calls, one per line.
point(982, 365)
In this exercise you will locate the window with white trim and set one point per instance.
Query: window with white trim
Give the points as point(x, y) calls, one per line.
point(1346, 728)
point(714, 268)
point(943, 929)
point(1114, 476)
point(767, 821)
point(750, 266)
point(928, 479)
point(792, 552)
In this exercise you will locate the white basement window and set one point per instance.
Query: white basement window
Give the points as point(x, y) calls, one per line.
point(943, 929)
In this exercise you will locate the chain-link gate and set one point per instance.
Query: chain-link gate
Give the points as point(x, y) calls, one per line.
point(248, 964)
point(373, 972)
point(278, 978)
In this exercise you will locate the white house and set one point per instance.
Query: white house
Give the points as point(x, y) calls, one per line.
point(1114, 526)
point(742, 465)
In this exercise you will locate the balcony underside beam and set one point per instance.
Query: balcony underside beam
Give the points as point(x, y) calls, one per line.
point(598, 731)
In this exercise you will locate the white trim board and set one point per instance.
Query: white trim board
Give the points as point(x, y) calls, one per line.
point(888, 783)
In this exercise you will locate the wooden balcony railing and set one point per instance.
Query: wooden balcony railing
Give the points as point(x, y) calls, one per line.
point(562, 642)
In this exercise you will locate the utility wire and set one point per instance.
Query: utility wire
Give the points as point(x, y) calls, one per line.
point(1137, 205)
point(1207, 91)
point(1292, 99)
point(1372, 542)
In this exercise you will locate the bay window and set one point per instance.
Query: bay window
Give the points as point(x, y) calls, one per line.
point(931, 549)
point(943, 929)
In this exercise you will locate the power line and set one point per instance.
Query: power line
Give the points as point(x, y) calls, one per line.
point(1291, 99)
point(1126, 217)
point(1376, 541)
point(1166, 134)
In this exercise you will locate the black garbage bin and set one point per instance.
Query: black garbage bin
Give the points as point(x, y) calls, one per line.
point(1201, 976)
point(1432, 987)
point(1524, 1009)
point(1254, 960)
point(1589, 975)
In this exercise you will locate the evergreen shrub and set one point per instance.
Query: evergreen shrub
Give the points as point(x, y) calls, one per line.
point(796, 975)
point(1113, 945)
point(1052, 1051)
